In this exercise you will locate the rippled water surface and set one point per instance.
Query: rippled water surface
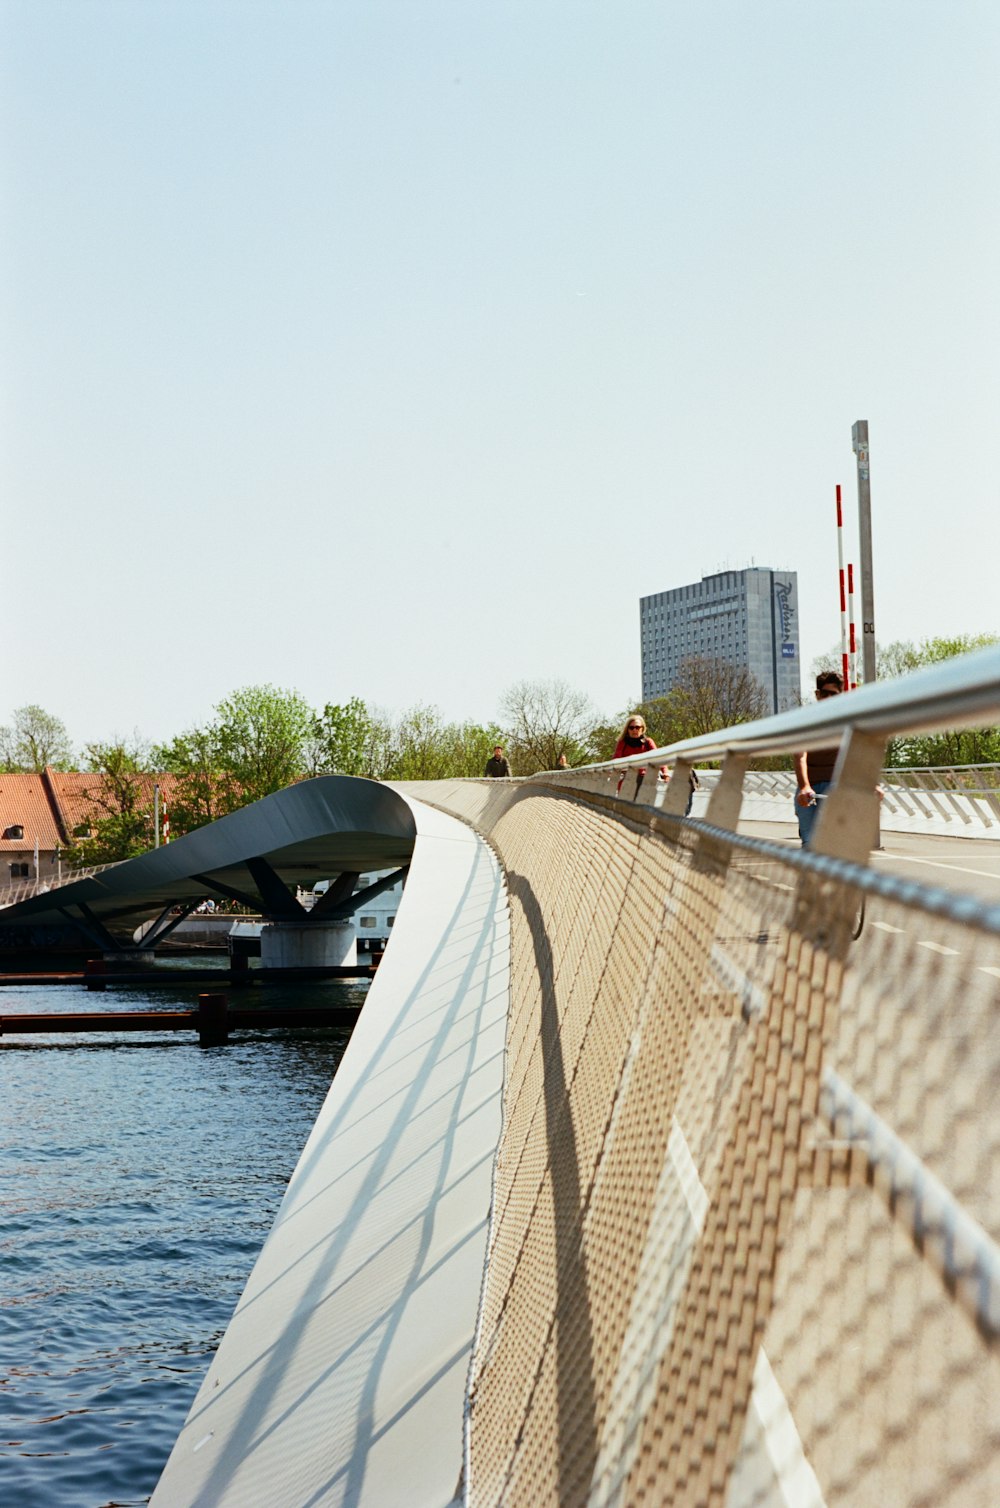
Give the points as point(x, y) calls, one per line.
point(139, 1176)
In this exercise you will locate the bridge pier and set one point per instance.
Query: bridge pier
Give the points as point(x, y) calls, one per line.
point(288, 945)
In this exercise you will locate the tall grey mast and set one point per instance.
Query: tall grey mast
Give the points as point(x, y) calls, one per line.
point(859, 444)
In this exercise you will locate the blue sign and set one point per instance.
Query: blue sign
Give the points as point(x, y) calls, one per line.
point(788, 651)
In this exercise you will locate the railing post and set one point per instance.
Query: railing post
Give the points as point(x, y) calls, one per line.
point(847, 826)
point(678, 789)
point(727, 798)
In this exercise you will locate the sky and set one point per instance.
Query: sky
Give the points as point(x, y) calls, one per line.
point(395, 350)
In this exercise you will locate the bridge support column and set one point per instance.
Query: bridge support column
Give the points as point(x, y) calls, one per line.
point(286, 945)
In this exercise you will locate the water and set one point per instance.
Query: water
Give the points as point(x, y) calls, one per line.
point(139, 1176)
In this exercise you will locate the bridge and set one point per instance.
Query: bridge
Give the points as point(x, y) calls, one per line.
point(639, 1181)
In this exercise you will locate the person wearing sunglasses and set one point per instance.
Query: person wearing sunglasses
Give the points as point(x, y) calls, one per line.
point(634, 740)
point(814, 769)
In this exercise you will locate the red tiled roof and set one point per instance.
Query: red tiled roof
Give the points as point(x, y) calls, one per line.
point(24, 803)
point(76, 790)
point(48, 807)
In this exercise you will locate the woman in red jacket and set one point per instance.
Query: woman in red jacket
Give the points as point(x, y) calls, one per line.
point(635, 740)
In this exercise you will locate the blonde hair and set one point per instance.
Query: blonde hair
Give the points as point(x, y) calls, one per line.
point(633, 717)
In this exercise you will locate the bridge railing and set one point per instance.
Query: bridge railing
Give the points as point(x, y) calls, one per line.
point(25, 889)
point(745, 1236)
point(941, 799)
point(960, 693)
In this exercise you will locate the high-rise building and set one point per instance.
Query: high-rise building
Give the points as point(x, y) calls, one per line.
point(747, 618)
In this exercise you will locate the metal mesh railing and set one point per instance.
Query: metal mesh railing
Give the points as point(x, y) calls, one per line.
point(23, 890)
point(965, 798)
point(746, 1214)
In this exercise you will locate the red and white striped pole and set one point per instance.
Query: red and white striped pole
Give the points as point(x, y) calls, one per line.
point(852, 684)
point(845, 668)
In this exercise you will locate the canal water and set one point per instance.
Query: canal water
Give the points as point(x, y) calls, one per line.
point(139, 1175)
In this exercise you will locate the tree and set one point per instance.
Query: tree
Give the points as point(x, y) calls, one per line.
point(35, 739)
point(423, 747)
point(261, 738)
point(203, 790)
point(957, 746)
point(470, 746)
point(340, 739)
point(122, 802)
point(260, 741)
point(545, 719)
point(712, 694)
point(707, 695)
point(950, 746)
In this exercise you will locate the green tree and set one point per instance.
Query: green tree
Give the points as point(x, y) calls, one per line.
point(419, 746)
point(424, 747)
point(121, 799)
point(35, 739)
point(471, 745)
point(340, 739)
point(261, 735)
point(948, 746)
point(203, 789)
point(260, 741)
point(954, 746)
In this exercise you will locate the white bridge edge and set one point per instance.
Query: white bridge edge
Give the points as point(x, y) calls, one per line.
point(342, 1374)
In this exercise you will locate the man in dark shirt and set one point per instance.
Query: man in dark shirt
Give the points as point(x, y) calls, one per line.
point(814, 770)
point(498, 765)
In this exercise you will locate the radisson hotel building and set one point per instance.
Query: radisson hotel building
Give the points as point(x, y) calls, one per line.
point(748, 618)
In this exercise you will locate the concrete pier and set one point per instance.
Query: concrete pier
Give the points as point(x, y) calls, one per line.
point(284, 945)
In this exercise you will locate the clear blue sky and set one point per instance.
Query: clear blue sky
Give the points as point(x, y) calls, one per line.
point(395, 350)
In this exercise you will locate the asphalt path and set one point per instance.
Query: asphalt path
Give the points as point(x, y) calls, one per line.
point(971, 865)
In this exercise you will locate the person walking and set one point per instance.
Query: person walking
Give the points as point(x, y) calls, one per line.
point(498, 765)
point(814, 768)
point(635, 740)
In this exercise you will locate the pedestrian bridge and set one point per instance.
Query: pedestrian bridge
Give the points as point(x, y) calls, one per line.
point(640, 1181)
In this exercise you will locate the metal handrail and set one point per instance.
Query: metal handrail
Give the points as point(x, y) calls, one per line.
point(961, 693)
point(24, 890)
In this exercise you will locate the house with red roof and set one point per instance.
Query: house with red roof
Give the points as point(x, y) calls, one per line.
point(42, 815)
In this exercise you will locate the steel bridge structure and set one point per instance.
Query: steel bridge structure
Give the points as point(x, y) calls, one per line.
point(640, 1182)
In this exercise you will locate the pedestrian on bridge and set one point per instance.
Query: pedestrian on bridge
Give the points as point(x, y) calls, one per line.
point(814, 769)
point(498, 765)
point(635, 740)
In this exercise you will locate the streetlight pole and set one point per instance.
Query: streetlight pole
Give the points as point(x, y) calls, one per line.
point(859, 444)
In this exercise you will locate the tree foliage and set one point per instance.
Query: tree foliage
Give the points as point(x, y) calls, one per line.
point(121, 799)
point(203, 789)
point(545, 719)
point(955, 746)
point(340, 739)
point(707, 695)
point(949, 746)
point(257, 743)
point(712, 694)
point(420, 745)
point(35, 739)
point(261, 735)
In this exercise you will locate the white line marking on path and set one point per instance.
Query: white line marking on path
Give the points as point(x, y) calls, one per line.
point(885, 927)
point(985, 968)
point(989, 874)
point(937, 948)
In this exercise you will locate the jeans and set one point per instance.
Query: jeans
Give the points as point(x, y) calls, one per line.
point(807, 814)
